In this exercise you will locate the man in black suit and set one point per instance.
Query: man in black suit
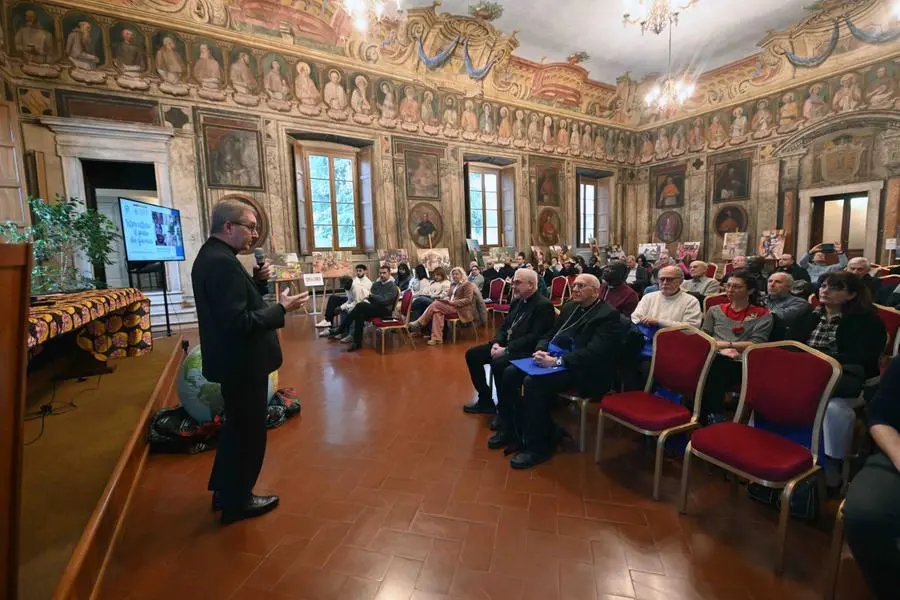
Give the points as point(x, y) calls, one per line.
point(584, 343)
point(530, 317)
point(240, 349)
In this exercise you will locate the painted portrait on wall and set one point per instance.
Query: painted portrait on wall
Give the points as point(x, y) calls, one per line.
point(128, 48)
point(233, 154)
point(32, 33)
point(731, 180)
point(422, 175)
point(83, 41)
point(243, 72)
point(668, 226)
point(425, 224)
point(668, 186)
point(549, 227)
point(547, 183)
point(730, 219)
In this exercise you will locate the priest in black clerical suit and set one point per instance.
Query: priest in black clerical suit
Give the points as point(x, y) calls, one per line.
point(530, 317)
point(584, 343)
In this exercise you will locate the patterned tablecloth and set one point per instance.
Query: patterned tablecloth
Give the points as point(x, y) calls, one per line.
point(109, 323)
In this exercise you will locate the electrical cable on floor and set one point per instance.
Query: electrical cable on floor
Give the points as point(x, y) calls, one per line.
point(48, 410)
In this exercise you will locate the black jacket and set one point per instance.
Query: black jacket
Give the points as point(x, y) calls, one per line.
point(795, 271)
point(598, 335)
point(237, 327)
point(860, 338)
point(489, 275)
point(533, 319)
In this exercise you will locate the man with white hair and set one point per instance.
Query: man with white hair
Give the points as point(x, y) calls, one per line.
point(670, 305)
point(861, 267)
point(699, 283)
point(781, 303)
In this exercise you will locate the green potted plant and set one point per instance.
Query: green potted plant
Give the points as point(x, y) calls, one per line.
point(61, 230)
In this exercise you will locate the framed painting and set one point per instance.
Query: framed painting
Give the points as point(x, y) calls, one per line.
point(426, 226)
point(548, 226)
point(547, 182)
point(730, 219)
point(731, 180)
point(668, 186)
point(262, 219)
point(233, 153)
point(433, 258)
point(423, 175)
point(668, 226)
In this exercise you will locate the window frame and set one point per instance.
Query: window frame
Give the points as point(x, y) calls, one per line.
point(482, 169)
point(333, 151)
point(595, 183)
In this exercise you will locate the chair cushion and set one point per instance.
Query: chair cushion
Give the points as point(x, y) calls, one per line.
point(379, 322)
point(646, 411)
point(501, 308)
point(451, 316)
point(760, 453)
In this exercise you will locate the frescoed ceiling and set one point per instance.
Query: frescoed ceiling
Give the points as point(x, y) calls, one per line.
point(710, 34)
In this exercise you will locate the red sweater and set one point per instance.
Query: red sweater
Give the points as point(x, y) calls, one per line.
point(622, 298)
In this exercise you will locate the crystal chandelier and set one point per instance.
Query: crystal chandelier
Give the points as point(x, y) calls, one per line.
point(654, 15)
point(672, 92)
point(365, 12)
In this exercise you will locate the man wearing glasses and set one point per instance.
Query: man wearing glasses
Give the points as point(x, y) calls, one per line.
point(240, 349)
point(670, 305)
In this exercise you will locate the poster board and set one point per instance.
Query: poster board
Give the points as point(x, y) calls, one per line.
point(286, 266)
point(652, 252)
point(332, 264)
point(771, 243)
point(474, 249)
point(689, 250)
point(393, 257)
point(734, 244)
point(503, 254)
point(434, 257)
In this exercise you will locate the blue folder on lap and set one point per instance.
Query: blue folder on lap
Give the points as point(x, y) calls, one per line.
point(528, 366)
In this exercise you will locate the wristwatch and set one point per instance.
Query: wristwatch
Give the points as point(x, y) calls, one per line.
point(559, 361)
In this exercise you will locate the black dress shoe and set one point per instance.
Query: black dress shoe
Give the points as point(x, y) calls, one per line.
point(500, 439)
point(495, 423)
point(528, 459)
point(480, 408)
point(257, 506)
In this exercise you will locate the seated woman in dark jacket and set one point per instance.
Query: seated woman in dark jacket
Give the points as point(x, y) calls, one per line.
point(846, 327)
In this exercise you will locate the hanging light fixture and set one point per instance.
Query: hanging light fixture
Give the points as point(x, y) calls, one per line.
point(672, 92)
point(366, 12)
point(654, 15)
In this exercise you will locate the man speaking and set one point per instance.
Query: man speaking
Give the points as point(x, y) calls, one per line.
point(240, 349)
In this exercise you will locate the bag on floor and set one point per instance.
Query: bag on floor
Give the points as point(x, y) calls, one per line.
point(804, 500)
point(174, 431)
point(284, 404)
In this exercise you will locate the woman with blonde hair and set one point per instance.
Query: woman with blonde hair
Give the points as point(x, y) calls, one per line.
point(461, 300)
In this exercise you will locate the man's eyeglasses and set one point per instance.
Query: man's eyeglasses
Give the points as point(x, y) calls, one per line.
point(664, 279)
point(251, 227)
point(579, 286)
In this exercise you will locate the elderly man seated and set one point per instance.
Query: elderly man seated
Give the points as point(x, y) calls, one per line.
point(738, 263)
point(786, 307)
point(862, 268)
point(670, 305)
point(580, 351)
point(699, 283)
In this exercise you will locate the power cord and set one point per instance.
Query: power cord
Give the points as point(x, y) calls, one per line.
point(49, 410)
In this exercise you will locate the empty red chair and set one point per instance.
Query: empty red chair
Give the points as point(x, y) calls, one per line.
point(729, 268)
point(390, 324)
point(891, 319)
point(495, 298)
point(714, 300)
point(711, 270)
point(558, 289)
point(503, 302)
point(786, 386)
point(681, 359)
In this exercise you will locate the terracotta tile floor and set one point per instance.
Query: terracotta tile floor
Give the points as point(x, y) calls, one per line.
point(388, 491)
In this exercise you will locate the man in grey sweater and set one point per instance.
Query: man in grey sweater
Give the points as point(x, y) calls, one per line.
point(781, 302)
point(380, 303)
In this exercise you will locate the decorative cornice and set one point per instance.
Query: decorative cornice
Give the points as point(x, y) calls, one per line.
point(798, 142)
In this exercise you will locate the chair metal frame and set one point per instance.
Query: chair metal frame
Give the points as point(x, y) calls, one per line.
point(663, 435)
point(787, 486)
point(707, 304)
point(563, 295)
point(400, 325)
point(833, 568)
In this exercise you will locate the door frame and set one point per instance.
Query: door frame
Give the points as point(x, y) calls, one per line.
point(871, 189)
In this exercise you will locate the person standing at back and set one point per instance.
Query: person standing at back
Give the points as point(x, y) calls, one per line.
point(240, 349)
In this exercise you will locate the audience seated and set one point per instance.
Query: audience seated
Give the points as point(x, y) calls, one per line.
point(871, 516)
point(668, 306)
point(861, 267)
point(489, 274)
point(403, 277)
point(786, 307)
point(846, 327)
point(475, 276)
point(379, 303)
point(787, 265)
point(615, 292)
point(429, 291)
point(419, 275)
point(819, 266)
point(582, 345)
point(699, 282)
point(507, 270)
point(333, 306)
point(359, 290)
point(735, 326)
point(460, 301)
point(638, 276)
point(738, 263)
point(530, 317)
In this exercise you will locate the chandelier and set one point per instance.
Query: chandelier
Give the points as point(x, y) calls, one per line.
point(672, 92)
point(654, 15)
point(365, 12)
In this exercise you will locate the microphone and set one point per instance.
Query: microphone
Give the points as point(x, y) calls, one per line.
point(260, 256)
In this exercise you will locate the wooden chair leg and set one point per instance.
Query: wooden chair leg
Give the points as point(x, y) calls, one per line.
point(685, 475)
point(582, 426)
point(383, 336)
point(598, 442)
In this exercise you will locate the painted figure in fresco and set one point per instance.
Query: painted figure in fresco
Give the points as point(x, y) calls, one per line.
point(469, 118)
point(334, 94)
point(169, 64)
point(626, 155)
point(547, 132)
point(587, 143)
point(359, 99)
point(611, 139)
point(128, 56)
point(425, 227)
point(241, 75)
point(739, 124)
point(80, 47)
point(669, 194)
point(575, 139)
point(305, 88)
point(427, 112)
point(667, 227)
point(518, 130)
point(409, 106)
point(647, 148)
point(849, 96)
point(662, 148)
point(274, 82)
point(423, 180)
point(389, 104)
point(599, 143)
point(548, 229)
point(562, 136)
point(761, 124)
point(815, 106)
point(696, 136)
point(207, 70)
point(534, 130)
point(504, 131)
point(729, 186)
point(728, 221)
point(451, 117)
point(677, 145)
point(881, 91)
point(487, 119)
point(715, 133)
point(789, 113)
point(33, 41)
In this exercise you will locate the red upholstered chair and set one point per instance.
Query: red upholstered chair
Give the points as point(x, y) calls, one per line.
point(384, 326)
point(891, 319)
point(712, 269)
point(880, 272)
point(495, 299)
point(681, 359)
point(833, 568)
point(729, 268)
point(714, 300)
point(454, 323)
point(559, 287)
point(813, 300)
point(786, 387)
point(890, 281)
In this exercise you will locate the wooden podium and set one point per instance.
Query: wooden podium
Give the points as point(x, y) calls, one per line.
point(15, 280)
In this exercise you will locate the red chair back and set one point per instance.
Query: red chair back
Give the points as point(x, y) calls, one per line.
point(890, 281)
point(406, 304)
point(891, 319)
point(571, 279)
point(880, 271)
point(681, 359)
point(558, 287)
point(799, 404)
point(495, 291)
point(729, 268)
point(714, 300)
point(813, 300)
point(711, 270)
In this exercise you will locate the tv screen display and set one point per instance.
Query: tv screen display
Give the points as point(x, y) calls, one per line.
point(151, 233)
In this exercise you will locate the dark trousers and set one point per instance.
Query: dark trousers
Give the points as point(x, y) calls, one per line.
point(334, 304)
point(529, 410)
point(363, 311)
point(419, 305)
point(476, 358)
point(242, 440)
point(872, 524)
point(724, 374)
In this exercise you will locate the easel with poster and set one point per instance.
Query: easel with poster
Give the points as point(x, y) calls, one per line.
point(734, 244)
point(312, 281)
point(771, 244)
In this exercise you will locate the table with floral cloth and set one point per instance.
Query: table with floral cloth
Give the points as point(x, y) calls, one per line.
point(108, 323)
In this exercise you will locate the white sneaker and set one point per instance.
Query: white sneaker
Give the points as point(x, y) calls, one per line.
point(323, 323)
point(347, 340)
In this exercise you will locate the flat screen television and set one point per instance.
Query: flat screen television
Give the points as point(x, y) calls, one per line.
point(151, 233)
